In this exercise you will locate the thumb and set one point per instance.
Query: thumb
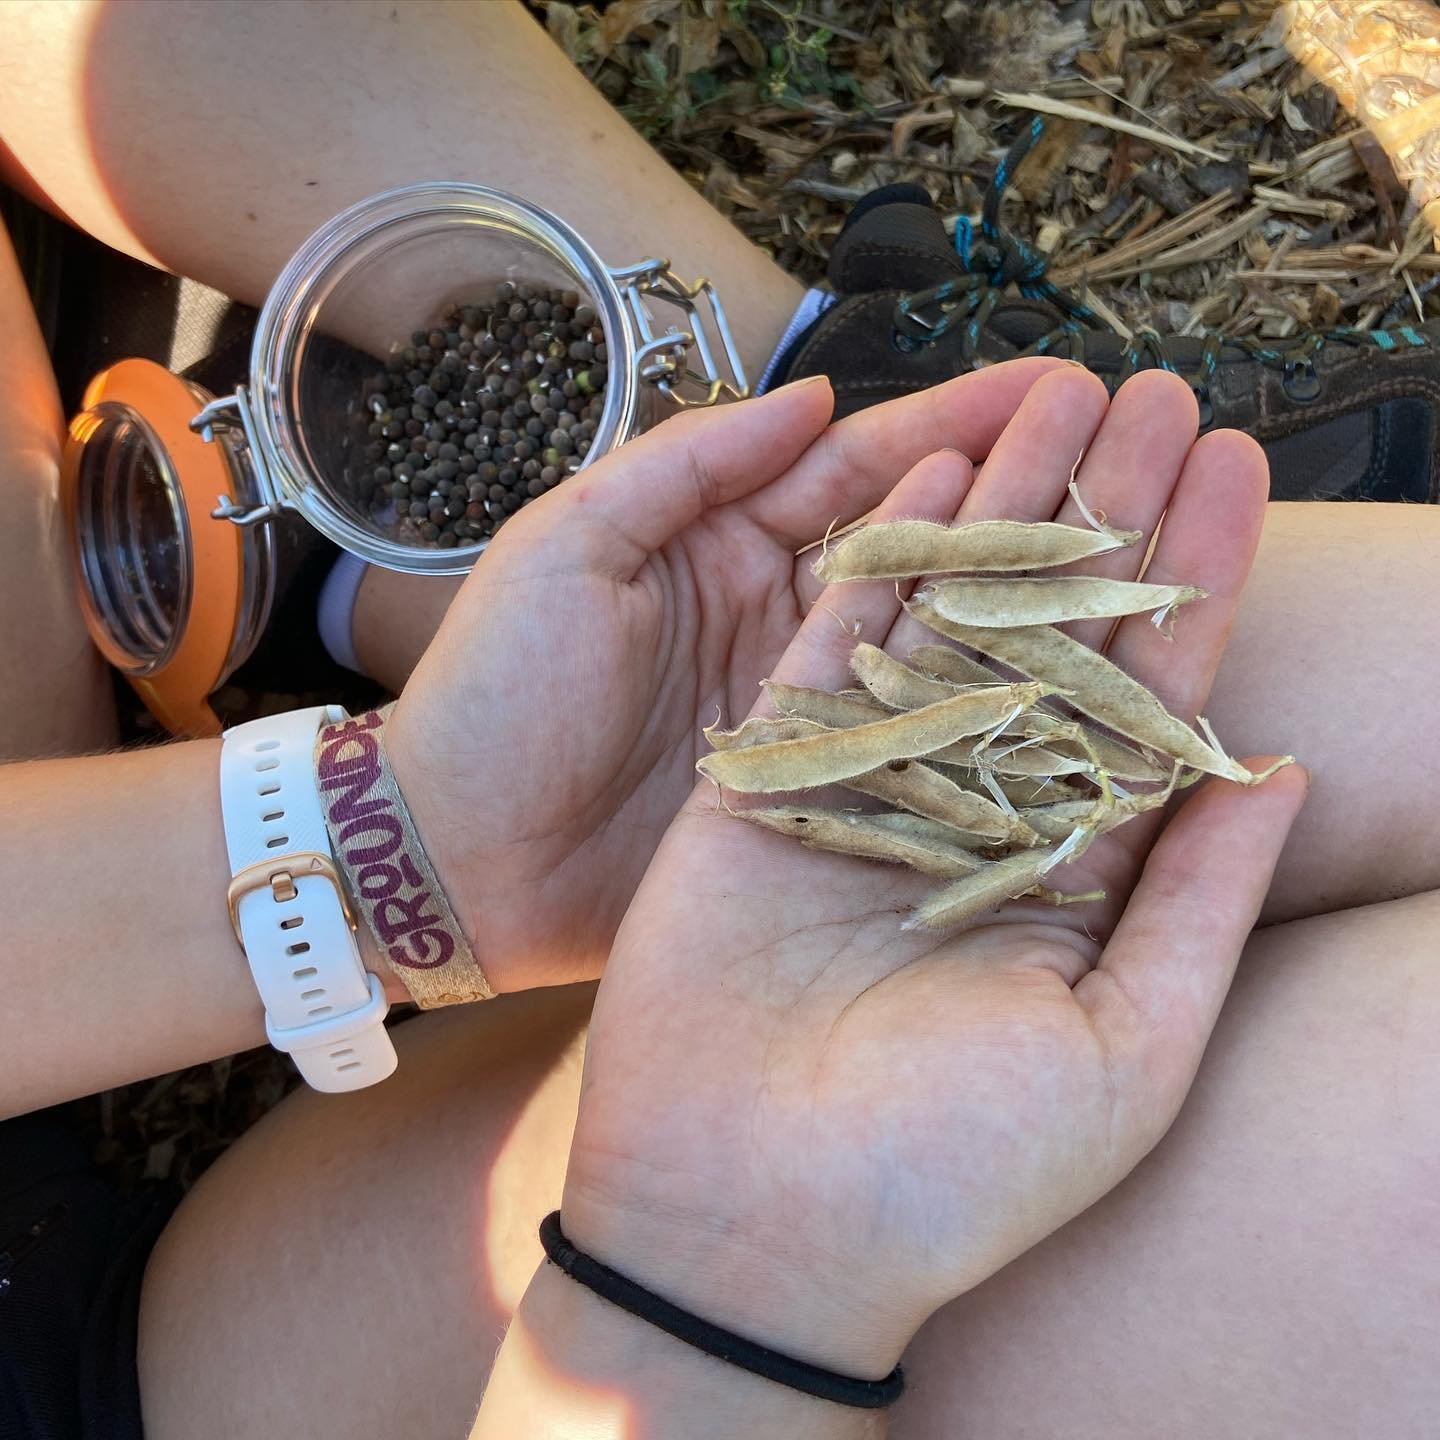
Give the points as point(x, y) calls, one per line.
point(1157, 991)
point(630, 503)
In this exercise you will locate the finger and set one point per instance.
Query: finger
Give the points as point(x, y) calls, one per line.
point(1029, 466)
point(629, 504)
point(854, 465)
point(1208, 538)
point(1129, 472)
point(1161, 980)
point(819, 655)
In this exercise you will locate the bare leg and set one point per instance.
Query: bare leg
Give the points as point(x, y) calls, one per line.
point(1331, 658)
point(1271, 1270)
point(57, 697)
point(322, 104)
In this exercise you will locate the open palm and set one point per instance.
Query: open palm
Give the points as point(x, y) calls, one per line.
point(874, 1120)
point(550, 733)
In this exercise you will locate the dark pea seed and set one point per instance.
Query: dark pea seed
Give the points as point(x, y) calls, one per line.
point(509, 476)
point(504, 333)
point(510, 504)
point(535, 488)
point(524, 449)
point(399, 490)
point(474, 511)
point(443, 408)
point(584, 315)
point(582, 350)
point(505, 292)
point(381, 475)
point(430, 531)
point(447, 470)
point(449, 452)
point(496, 492)
point(536, 426)
point(418, 509)
point(447, 540)
point(435, 431)
point(413, 428)
point(550, 475)
point(432, 449)
point(424, 356)
point(469, 464)
point(436, 339)
point(489, 472)
point(455, 509)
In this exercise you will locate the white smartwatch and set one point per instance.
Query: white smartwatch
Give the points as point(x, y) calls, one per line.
point(288, 906)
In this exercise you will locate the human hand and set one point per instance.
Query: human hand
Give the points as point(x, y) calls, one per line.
point(550, 733)
point(813, 1128)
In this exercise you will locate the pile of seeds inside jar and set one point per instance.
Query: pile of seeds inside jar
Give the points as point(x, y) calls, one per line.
point(990, 786)
point(479, 416)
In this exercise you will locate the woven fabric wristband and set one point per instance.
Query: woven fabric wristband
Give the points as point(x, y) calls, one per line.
point(722, 1344)
point(387, 873)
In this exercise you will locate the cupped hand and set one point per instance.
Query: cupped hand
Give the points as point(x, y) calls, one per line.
point(813, 1127)
point(550, 732)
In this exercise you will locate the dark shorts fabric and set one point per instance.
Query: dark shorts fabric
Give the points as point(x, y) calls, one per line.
point(73, 1251)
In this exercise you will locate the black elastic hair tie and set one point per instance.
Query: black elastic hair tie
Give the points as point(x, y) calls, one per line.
point(722, 1344)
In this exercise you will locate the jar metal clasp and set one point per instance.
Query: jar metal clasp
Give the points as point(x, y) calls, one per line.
point(233, 413)
point(682, 353)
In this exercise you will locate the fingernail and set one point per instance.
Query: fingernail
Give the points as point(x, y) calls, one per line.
point(800, 384)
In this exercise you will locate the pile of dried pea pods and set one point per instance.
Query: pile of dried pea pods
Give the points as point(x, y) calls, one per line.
point(992, 782)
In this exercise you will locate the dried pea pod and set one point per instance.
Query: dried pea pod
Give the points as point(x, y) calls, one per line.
point(897, 549)
point(840, 754)
point(1001, 880)
point(1050, 600)
point(837, 711)
point(895, 684)
point(1096, 687)
point(928, 793)
point(848, 833)
point(946, 664)
point(760, 730)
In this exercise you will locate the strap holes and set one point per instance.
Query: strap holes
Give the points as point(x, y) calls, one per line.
point(304, 974)
point(293, 923)
point(273, 815)
point(271, 764)
point(312, 994)
point(319, 1010)
point(341, 1054)
point(268, 745)
point(276, 841)
point(268, 790)
point(349, 1065)
point(300, 947)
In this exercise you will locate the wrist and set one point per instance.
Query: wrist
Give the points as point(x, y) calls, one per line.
point(765, 1279)
point(573, 1362)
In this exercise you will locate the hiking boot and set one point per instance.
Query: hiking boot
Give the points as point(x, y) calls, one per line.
point(1342, 414)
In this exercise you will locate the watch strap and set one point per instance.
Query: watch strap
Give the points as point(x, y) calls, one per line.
point(289, 909)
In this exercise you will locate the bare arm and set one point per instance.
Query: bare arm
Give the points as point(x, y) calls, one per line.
point(118, 959)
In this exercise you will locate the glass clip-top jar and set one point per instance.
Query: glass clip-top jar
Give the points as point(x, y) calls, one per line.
point(171, 529)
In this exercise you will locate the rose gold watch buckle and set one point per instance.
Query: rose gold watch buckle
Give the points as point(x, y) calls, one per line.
point(279, 876)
